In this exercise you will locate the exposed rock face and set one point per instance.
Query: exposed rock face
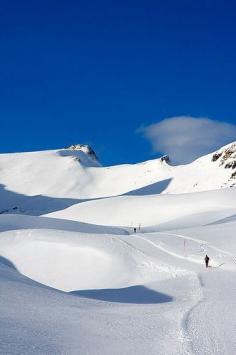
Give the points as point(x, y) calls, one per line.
point(227, 159)
point(229, 154)
point(84, 148)
point(165, 158)
point(233, 176)
point(232, 165)
point(216, 156)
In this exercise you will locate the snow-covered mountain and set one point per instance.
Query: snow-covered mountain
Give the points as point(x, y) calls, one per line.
point(30, 181)
point(101, 260)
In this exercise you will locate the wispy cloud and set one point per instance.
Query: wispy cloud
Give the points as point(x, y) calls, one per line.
point(186, 138)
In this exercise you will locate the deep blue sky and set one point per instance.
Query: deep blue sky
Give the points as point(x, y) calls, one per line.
point(95, 71)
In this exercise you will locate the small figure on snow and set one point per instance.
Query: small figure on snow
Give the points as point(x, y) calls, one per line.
point(135, 230)
point(207, 260)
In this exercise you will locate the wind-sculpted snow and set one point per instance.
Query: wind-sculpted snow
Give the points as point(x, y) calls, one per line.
point(46, 321)
point(70, 261)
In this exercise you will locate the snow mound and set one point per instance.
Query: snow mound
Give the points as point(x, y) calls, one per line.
point(71, 261)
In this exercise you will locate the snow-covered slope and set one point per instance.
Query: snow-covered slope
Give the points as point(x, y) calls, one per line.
point(132, 211)
point(76, 279)
point(62, 177)
point(163, 297)
point(71, 261)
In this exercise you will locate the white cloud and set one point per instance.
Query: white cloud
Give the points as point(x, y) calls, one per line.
point(186, 138)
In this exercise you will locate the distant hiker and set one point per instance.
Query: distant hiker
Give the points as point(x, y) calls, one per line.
point(135, 229)
point(207, 260)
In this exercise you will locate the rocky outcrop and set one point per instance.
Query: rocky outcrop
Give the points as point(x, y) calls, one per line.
point(226, 158)
point(84, 148)
point(231, 165)
point(216, 156)
point(228, 155)
point(233, 176)
point(165, 158)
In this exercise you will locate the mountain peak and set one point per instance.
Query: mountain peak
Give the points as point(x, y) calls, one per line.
point(84, 148)
point(165, 158)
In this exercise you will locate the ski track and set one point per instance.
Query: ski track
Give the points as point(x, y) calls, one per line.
point(202, 243)
point(184, 336)
point(199, 241)
point(191, 324)
point(209, 337)
point(187, 336)
point(193, 308)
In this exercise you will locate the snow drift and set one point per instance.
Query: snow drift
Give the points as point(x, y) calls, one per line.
point(71, 261)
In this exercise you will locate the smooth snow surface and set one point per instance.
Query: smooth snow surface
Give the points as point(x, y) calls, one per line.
point(72, 261)
point(76, 279)
point(132, 210)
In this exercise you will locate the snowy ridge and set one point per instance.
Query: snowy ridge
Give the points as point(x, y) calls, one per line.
point(42, 182)
point(127, 211)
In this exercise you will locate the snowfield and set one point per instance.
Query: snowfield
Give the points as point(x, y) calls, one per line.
point(76, 279)
point(132, 210)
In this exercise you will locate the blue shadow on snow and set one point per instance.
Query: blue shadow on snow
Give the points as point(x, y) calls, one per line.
point(132, 294)
point(152, 189)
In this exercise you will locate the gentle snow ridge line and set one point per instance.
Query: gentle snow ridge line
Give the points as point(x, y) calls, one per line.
point(129, 210)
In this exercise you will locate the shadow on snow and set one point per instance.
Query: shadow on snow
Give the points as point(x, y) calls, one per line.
point(133, 294)
point(152, 189)
point(7, 262)
point(15, 203)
